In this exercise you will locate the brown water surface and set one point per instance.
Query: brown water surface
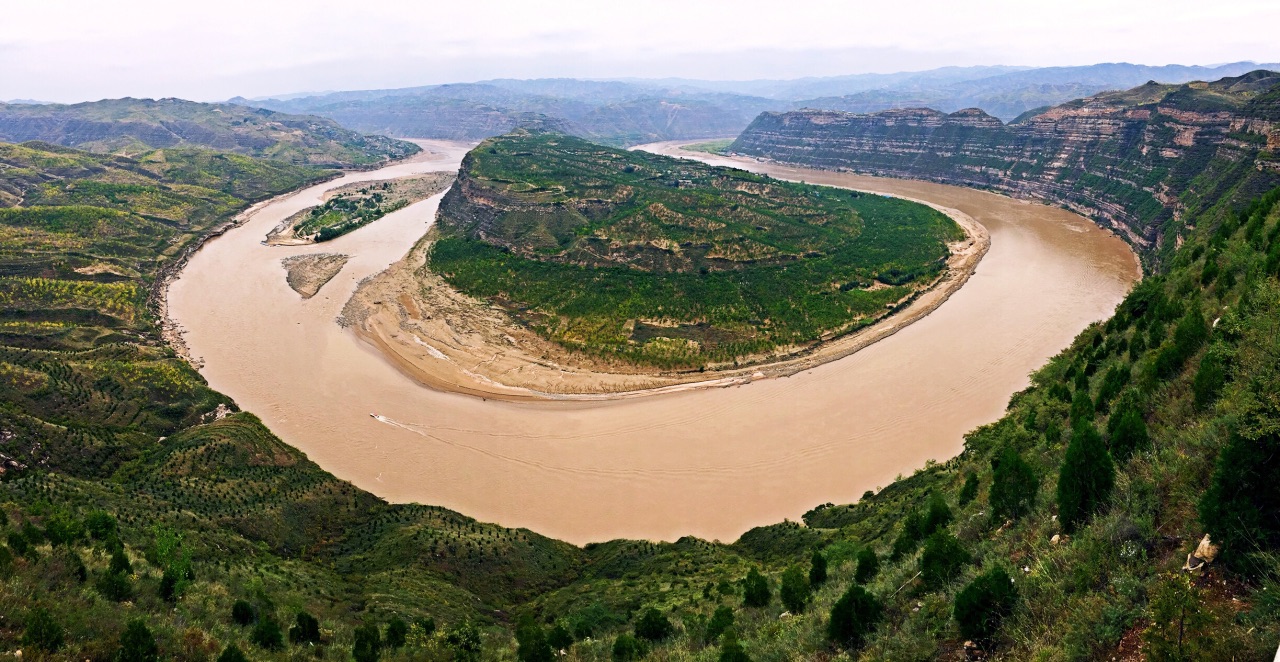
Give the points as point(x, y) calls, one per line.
point(709, 463)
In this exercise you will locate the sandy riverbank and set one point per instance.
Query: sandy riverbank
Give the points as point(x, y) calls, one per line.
point(449, 341)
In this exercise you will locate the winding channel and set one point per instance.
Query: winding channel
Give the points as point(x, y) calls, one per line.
point(708, 463)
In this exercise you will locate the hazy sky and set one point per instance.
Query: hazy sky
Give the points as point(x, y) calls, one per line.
point(74, 50)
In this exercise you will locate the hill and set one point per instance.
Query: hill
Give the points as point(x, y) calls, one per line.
point(1138, 161)
point(133, 126)
point(670, 262)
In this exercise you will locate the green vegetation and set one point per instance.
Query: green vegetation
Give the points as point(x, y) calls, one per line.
point(711, 146)
point(133, 126)
point(346, 212)
point(673, 263)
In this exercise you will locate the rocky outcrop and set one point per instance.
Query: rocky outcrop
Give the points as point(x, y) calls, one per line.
point(1135, 161)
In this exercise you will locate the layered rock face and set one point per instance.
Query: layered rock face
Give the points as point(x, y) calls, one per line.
point(1135, 161)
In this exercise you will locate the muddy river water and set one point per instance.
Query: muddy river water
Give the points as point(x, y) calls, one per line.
point(710, 463)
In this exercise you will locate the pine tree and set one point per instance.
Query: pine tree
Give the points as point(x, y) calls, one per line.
point(853, 617)
point(795, 590)
point(755, 590)
point(1086, 479)
point(817, 569)
point(1013, 485)
point(982, 605)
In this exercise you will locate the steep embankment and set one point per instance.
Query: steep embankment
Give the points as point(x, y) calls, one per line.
point(140, 125)
point(1138, 161)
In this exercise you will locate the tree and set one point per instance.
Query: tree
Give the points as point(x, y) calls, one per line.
point(559, 637)
point(919, 524)
point(115, 586)
point(120, 562)
point(137, 644)
point(42, 631)
point(1081, 405)
point(1129, 433)
point(853, 617)
point(397, 632)
point(653, 625)
point(1180, 629)
point(720, 621)
point(100, 525)
point(305, 629)
point(731, 649)
point(368, 643)
point(755, 590)
point(463, 639)
point(242, 613)
point(531, 642)
point(969, 491)
point(1013, 485)
point(983, 604)
point(267, 634)
point(232, 653)
point(868, 565)
point(1241, 508)
point(1086, 478)
point(795, 590)
point(817, 569)
point(627, 648)
point(1210, 377)
point(942, 559)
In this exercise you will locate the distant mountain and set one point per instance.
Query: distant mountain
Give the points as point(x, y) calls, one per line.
point(130, 126)
point(1008, 95)
point(606, 111)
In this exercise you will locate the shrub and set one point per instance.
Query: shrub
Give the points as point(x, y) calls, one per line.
point(984, 603)
point(120, 562)
point(1082, 406)
point(627, 648)
point(1013, 485)
point(1241, 508)
point(397, 632)
point(1180, 628)
point(42, 631)
point(1210, 378)
point(731, 649)
point(559, 637)
point(853, 617)
point(305, 629)
point(969, 491)
point(1086, 478)
point(368, 643)
point(242, 613)
point(531, 642)
point(720, 621)
point(817, 569)
point(1129, 433)
point(267, 634)
point(942, 559)
point(232, 653)
point(795, 590)
point(115, 586)
point(653, 625)
point(755, 590)
point(463, 639)
point(868, 566)
point(919, 524)
point(137, 644)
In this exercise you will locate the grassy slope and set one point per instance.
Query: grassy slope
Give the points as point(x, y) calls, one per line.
point(586, 243)
point(141, 125)
point(262, 523)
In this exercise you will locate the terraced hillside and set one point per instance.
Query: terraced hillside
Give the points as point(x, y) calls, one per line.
point(671, 262)
point(1140, 161)
point(134, 126)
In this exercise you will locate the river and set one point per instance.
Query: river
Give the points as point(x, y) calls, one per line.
point(709, 463)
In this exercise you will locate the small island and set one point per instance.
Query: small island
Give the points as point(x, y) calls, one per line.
point(351, 207)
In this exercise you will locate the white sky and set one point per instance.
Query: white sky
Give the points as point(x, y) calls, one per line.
point(75, 50)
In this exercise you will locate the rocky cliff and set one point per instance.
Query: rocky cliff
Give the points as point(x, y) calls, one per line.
point(1136, 161)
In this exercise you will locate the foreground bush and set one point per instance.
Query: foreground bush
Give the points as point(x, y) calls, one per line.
point(853, 617)
point(1086, 479)
point(983, 604)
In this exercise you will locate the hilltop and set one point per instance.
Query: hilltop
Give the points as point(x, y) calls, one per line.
point(673, 263)
point(133, 126)
point(1139, 161)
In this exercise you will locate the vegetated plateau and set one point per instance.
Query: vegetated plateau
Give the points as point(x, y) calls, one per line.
point(144, 519)
point(672, 263)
